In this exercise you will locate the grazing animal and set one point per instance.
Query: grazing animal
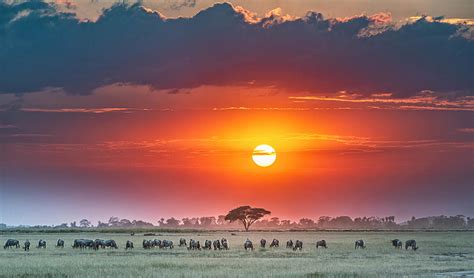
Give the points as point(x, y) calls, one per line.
point(397, 243)
point(79, 243)
point(11, 243)
point(166, 244)
point(76, 243)
point(182, 242)
point(217, 244)
point(147, 244)
point(41, 244)
point(155, 243)
point(60, 243)
point(83, 243)
point(298, 245)
point(110, 243)
point(92, 244)
point(99, 243)
point(411, 243)
point(132, 234)
point(248, 245)
point(128, 245)
point(207, 244)
point(289, 244)
point(27, 245)
point(263, 242)
point(275, 243)
point(194, 245)
point(321, 243)
point(224, 244)
point(359, 244)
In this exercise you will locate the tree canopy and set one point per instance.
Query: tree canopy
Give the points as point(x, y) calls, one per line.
point(247, 215)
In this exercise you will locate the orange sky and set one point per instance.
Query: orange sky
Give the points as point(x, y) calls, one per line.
point(134, 114)
point(332, 157)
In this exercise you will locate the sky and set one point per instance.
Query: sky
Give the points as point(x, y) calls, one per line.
point(152, 109)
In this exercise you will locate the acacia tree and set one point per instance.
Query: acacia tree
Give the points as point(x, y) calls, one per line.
point(84, 223)
point(247, 215)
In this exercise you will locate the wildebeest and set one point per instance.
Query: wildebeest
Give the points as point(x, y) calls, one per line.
point(182, 242)
point(207, 244)
point(110, 243)
point(289, 244)
point(27, 245)
point(263, 242)
point(99, 243)
point(248, 245)
point(147, 244)
point(76, 243)
point(92, 245)
point(321, 243)
point(60, 243)
point(397, 243)
point(194, 245)
point(85, 243)
point(166, 244)
point(11, 243)
point(217, 244)
point(224, 244)
point(128, 245)
point(41, 244)
point(411, 243)
point(298, 245)
point(275, 243)
point(359, 244)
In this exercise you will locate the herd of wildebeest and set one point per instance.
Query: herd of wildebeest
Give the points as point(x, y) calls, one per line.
point(218, 244)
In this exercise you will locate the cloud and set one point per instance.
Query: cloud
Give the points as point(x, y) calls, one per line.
point(67, 4)
point(227, 45)
point(425, 100)
point(260, 108)
point(337, 144)
point(179, 4)
point(84, 110)
point(3, 126)
point(467, 130)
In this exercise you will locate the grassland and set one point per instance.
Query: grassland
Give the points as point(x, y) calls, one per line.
point(439, 252)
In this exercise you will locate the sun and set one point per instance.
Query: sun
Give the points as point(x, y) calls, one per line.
point(264, 155)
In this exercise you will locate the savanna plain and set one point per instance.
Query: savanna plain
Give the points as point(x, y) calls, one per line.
point(438, 253)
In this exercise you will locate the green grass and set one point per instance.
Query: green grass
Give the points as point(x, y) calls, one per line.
point(439, 252)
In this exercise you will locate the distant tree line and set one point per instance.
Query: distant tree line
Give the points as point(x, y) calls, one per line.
point(324, 222)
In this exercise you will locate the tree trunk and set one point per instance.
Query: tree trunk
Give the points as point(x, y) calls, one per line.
point(246, 225)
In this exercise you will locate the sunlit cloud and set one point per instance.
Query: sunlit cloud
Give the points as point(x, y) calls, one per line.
point(467, 130)
point(423, 101)
point(261, 108)
point(442, 19)
point(84, 110)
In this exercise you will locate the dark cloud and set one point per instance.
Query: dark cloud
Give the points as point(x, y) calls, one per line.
point(224, 45)
point(179, 4)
